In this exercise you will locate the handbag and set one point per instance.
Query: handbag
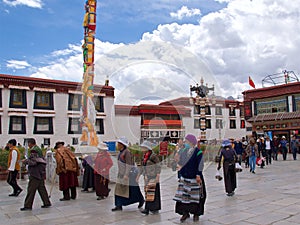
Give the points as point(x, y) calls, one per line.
point(218, 176)
point(238, 167)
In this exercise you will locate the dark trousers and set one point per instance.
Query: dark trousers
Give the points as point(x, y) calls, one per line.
point(284, 152)
point(33, 186)
point(66, 193)
point(275, 153)
point(12, 180)
point(269, 156)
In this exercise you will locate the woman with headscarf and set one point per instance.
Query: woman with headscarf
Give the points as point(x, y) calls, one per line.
point(67, 169)
point(103, 163)
point(229, 158)
point(127, 190)
point(191, 192)
point(151, 169)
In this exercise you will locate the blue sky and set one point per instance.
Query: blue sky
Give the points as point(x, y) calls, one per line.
point(165, 45)
point(31, 33)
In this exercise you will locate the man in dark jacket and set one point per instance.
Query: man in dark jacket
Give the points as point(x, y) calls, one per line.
point(36, 171)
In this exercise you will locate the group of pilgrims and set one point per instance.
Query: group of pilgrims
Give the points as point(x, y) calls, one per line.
point(190, 195)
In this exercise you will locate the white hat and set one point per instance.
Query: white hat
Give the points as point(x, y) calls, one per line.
point(283, 137)
point(147, 144)
point(102, 146)
point(123, 141)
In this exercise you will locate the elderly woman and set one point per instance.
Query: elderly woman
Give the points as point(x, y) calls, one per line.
point(127, 191)
point(229, 158)
point(67, 169)
point(151, 170)
point(191, 193)
point(103, 163)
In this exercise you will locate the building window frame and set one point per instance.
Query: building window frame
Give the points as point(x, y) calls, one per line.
point(232, 124)
point(75, 141)
point(99, 103)
point(0, 97)
point(207, 110)
point(43, 100)
point(218, 110)
point(74, 122)
point(47, 142)
point(13, 122)
point(208, 123)
point(74, 102)
point(219, 124)
point(232, 111)
point(197, 123)
point(17, 99)
point(40, 121)
point(243, 124)
point(99, 126)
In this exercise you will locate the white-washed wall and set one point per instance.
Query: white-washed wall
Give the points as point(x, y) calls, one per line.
point(128, 126)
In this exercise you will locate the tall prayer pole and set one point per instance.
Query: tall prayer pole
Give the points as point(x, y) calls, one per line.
point(88, 112)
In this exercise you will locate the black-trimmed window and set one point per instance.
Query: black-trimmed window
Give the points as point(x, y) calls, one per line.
point(207, 110)
point(196, 109)
point(43, 100)
point(43, 125)
point(232, 124)
point(18, 99)
point(74, 126)
point(47, 141)
point(75, 141)
point(0, 125)
point(243, 125)
point(0, 98)
point(17, 125)
point(218, 110)
point(208, 123)
point(99, 126)
point(99, 104)
point(231, 111)
point(219, 124)
point(74, 102)
point(196, 123)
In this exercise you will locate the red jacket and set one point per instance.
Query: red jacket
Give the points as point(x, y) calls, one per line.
point(103, 163)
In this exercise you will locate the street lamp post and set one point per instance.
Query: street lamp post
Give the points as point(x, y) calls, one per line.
point(201, 100)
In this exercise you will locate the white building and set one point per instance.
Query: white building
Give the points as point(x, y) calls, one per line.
point(49, 111)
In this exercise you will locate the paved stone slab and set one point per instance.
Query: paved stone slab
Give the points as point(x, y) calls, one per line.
point(271, 196)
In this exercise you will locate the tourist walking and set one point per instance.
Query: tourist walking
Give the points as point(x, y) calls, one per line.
point(67, 169)
point(37, 174)
point(103, 163)
point(294, 146)
point(269, 149)
point(252, 153)
point(229, 158)
point(283, 146)
point(14, 157)
point(262, 151)
point(238, 147)
point(191, 192)
point(276, 143)
point(88, 173)
point(127, 190)
point(150, 169)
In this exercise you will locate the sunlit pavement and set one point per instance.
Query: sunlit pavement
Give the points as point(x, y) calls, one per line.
point(271, 196)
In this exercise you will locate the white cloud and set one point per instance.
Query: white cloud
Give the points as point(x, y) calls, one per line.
point(185, 12)
point(29, 3)
point(17, 64)
point(254, 38)
point(247, 38)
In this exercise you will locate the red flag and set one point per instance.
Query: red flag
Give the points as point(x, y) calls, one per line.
point(251, 83)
